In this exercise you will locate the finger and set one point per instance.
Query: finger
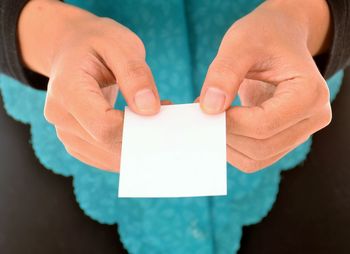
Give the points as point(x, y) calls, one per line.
point(247, 164)
point(89, 161)
point(258, 150)
point(291, 103)
point(64, 121)
point(262, 149)
point(134, 79)
point(84, 100)
point(72, 129)
point(76, 131)
point(110, 160)
point(224, 76)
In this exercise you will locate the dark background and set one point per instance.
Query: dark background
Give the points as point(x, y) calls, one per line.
point(38, 212)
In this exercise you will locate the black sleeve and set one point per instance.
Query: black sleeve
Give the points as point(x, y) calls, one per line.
point(338, 56)
point(10, 58)
point(12, 64)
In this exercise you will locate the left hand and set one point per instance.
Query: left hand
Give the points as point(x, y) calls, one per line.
point(266, 57)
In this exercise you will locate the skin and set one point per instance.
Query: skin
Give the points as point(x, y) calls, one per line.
point(284, 97)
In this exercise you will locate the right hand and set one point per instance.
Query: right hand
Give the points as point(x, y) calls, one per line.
point(92, 57)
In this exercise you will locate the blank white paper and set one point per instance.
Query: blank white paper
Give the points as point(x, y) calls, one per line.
point(180, 152)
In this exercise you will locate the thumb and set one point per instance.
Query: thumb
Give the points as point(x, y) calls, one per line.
point(224, 76)
point(134, 78)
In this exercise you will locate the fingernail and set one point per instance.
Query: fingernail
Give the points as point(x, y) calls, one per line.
point(214, 100)
point(145, 100)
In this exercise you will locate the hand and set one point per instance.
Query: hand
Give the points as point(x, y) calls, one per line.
point(266, 57)
point(90, 57)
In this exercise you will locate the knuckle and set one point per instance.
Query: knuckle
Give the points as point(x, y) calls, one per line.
point(136, 70)
point(323, 91)
point(237, 32)
point(138, 43)
point(132, 43)
point(319, 91)
point(127, 35)
point(327, 115)
point(240, 34)
point(223, 67)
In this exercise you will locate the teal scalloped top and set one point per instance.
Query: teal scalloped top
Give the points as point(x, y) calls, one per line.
point(181, 38)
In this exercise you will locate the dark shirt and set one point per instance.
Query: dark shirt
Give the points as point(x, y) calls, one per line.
point(338, 56)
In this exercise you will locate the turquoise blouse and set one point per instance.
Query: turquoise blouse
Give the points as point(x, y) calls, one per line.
point(181, 39)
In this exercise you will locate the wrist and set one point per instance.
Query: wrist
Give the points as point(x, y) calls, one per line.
point(313, 16)
point(43, 26)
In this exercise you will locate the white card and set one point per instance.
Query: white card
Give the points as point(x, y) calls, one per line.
point(180, 152)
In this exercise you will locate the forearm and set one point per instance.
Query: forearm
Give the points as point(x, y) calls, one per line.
point(43, 26)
